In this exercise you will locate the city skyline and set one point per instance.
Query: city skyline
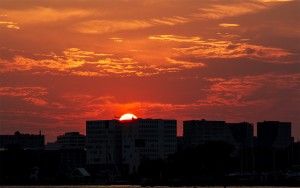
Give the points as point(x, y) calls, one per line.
point(137, 151)
point(129, 118)
point(65, 62)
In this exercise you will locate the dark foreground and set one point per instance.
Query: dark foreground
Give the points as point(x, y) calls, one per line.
point(212, 164)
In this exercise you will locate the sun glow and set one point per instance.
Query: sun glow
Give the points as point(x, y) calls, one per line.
point(127, 117)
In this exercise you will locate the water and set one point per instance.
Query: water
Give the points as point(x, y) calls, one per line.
point(132, 186)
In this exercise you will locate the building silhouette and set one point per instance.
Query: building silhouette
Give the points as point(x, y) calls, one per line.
point(69, 151)
point(22, 141)
point(274, 134)
point(127, 143)
point(238, 135)
point(147, 139)
point(244, 142)
point(274, 146)
point(135, 151)
point(103, 143)
point(242, 133)
point(71, 140)
point(296, 153)
point(197, 132)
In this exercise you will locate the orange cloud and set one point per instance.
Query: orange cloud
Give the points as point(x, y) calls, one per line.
point(226, 49)
point(170, 20)
point(185, 64)
point(116, 39)
point(36, 101)
point(228, 25)
point(213, 48)
point(38, 15)
point(175, 38)
point(229, 10)
point(108, 26)
point(9, 25)
point(276, 1)
point(76, 53)
point(87, 63)
point(241, 91)
point(34, 95)
point(112, 26)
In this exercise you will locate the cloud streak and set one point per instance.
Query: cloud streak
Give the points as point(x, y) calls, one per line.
point(9, 25)
point(229, 25)
point(87, 63)
point(112, 26)
point(34, 95)
point(221, 49)
point(221, 11)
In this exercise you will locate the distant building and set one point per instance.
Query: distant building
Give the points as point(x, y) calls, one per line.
point(70, 150)
point(244, 141)
point(196, 132)
point(103, 142)
point(129, 142)
point(274, 146)
point(296, 154)
point(242, 133)
point(239, 135)
point(274, 134)
point(23, 141)
point(150, 139)
point(71, 140)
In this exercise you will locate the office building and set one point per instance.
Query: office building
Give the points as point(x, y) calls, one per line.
point(103, 142)
point(147, 139)
point(197, 132)
point(129, 142)
point(244, 142)
point(274, 146)
point(274, 134)
point(242, 134)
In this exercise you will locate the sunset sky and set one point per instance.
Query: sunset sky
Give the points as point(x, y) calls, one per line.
point(65, 62)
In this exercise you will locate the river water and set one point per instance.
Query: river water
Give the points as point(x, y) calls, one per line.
point(133, 186)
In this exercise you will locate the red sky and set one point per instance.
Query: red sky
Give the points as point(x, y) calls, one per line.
point(64, 62)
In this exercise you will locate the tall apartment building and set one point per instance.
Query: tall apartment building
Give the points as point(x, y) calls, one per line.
point(244, 142)
point(274, 140)
point(274, 134)
point(129, 142)
point(242, 133)
point(103, 142)
point(144, 139)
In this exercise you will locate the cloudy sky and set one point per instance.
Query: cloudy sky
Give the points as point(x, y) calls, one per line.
point(64, 62)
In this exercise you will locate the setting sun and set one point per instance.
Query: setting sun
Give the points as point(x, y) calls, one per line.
point(128, 116)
